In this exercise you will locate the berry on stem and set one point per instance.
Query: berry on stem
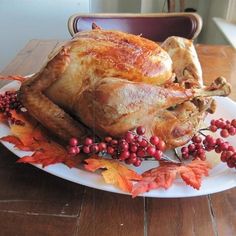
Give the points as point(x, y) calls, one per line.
point(140, 130)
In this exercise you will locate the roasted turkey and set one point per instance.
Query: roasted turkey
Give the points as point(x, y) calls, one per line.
point(108, 82)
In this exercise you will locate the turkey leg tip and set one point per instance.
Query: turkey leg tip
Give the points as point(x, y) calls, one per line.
point(220, 87)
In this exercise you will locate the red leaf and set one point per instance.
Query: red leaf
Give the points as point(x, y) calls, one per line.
point(17, 143)
point(31, 137)
point(193, 172)
point(160, 177)
point(50, 153)
point(164, 175)
point(12, 77)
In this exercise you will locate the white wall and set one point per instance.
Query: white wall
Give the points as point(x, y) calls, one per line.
point(208, 9)
point(22, 20)
point(112, 6)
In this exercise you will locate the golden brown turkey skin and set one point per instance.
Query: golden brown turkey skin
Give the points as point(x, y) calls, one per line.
point(82, 62)
point(111, 82)
point(97, 54)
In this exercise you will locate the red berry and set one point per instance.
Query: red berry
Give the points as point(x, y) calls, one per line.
point(233, 157)
point(185, 155)
point(191, 147)
point(161, 145)
point(184, 150)
point(219, 141)
point(94, 148)
point(132, 155)
point(133, 148)
point(133, 158)
point(158, 155)
point(228, 155)
point(230, 164)
point(86, 149)
point(129, 137)
point(114, 142)
point(232, 130)
point(218, 149)
point(222, 124)
point(196, 139)
point(78, 149)
point(209, 138)
point(200, 151)
point(140, 130)
point(143, 143)
point(231, 148)
point(213, 122)
point(129, 161)
point(72, 150)
point(213, 128)
point(154, 140)
point(224, 133)
point(217, 123)
point(223, 156)
point(137, 162)
point(110, 150)
point(124, 155)
point(140, 153)
point(233, 123)
point(88, 141)
point(124, 146)
point(151, 150)
point(73, 142)
point(224, 146)
point(202, 156)
point(108, 139)
point(102, 146)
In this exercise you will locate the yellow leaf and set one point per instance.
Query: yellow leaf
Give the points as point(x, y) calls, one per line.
point(115, 173)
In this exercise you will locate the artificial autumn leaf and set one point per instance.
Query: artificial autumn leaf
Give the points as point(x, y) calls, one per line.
point(25, 137)
point(12, 77)
point(114, 173)
point(159, 177)
point(164, 175)
point(31, 137)
point(50, 153)
point(30, 134)
point(192, 173)
point(17, 142)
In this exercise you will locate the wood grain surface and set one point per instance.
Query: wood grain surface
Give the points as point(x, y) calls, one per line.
point(33, 202)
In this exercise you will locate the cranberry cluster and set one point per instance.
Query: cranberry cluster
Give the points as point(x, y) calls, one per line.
point(226, 127)
point(8, 102)
point(199, 146)
point(133, 148)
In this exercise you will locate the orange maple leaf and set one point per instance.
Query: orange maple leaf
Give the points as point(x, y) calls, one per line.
point(114, 173)
point(13, 77)
point(50, 153)
point(193, 172)
point(30, 133)
point(25, 137)
point(31, 137)
point(163, 176)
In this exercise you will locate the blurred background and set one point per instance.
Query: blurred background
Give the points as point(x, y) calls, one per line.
point(22, 20)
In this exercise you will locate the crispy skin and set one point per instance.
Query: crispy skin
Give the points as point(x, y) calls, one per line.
point(80, 64)
point(112, 82)
point(186, 65)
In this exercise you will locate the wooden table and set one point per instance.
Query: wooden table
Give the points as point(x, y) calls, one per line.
point(33, 202)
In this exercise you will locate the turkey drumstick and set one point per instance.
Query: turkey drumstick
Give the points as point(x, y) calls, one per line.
point(131, 104)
